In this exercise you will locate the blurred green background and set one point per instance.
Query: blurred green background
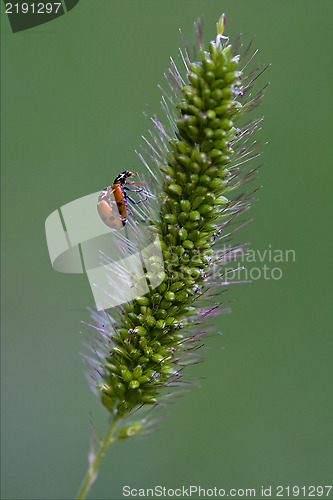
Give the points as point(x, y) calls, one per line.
point(73, 93)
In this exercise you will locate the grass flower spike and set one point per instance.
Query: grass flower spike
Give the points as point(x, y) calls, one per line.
point(194, 158)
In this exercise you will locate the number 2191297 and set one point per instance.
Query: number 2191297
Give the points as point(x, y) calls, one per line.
point(32, 8)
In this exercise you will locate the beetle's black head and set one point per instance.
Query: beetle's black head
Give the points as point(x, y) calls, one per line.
point(121, 178)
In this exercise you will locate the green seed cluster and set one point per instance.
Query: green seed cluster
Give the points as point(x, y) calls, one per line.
point(149, 336)
point(197, 174)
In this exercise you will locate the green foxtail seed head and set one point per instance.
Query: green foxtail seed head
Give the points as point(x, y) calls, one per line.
point(193, 163)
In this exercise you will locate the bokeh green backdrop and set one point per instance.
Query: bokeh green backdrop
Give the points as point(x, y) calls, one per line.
point(73, 92)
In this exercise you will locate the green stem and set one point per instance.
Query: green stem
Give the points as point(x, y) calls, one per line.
point(94, 465)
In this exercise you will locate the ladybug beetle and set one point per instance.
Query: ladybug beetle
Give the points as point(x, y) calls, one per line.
point(112, 201)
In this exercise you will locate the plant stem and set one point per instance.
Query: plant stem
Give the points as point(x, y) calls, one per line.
point(94, 465)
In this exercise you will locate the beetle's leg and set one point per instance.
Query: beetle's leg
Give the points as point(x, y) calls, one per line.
point(139, 190)
point(134, 183)
point(136, 202)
